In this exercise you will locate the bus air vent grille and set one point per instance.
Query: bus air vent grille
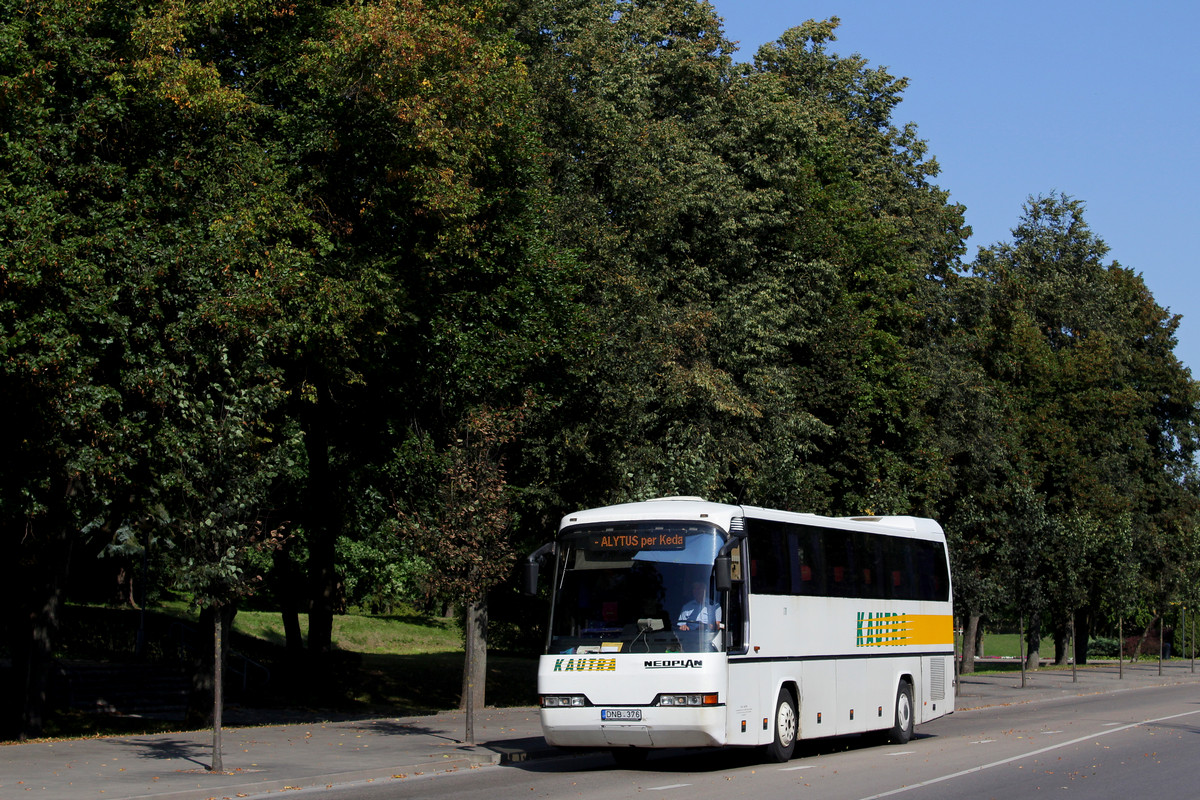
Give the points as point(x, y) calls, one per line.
point(937, 679)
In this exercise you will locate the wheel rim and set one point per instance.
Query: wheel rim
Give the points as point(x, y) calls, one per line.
point(785, 723)
point(903, 711)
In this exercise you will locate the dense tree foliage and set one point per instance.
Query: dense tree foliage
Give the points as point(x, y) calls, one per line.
point(1065, 473)
point(345, 303)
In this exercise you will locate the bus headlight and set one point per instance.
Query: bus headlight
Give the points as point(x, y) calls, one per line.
point(687, 700)
point(563, 701)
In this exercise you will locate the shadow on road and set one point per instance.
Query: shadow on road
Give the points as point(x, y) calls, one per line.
point(707, 760)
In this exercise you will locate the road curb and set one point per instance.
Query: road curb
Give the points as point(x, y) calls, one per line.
point(218, 791)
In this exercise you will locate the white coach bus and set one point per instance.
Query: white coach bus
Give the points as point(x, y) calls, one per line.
point(683, 623)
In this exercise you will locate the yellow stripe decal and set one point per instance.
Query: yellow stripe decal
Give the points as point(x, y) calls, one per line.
point(900, 630)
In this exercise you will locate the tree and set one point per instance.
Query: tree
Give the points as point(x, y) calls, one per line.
point(865, 204)
point(150, 238)
point(61, 336)
point(465, 535)
point(626, 92)
point(338, 203)
point(744, 256)
point(1062, 339)
point(222, 252)
point(435, 292)
point(227, 456)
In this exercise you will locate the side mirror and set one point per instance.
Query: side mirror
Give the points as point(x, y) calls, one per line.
point(723, 569)
point(530, 568)
point(530, 582)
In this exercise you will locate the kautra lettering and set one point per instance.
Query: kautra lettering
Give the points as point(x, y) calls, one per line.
point(585, 665)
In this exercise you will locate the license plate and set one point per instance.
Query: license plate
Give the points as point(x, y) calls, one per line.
point(623, 714)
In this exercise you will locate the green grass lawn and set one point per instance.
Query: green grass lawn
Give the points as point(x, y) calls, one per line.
point(405, 663)
point(404, 634)
point(1008, 645)
point(393, 665)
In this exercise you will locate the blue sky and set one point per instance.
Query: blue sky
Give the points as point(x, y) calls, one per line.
point(1097, 100)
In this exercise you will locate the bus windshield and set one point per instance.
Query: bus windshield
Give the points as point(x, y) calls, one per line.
point(644, 587)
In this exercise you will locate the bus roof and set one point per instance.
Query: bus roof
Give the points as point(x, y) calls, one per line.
point(663, 508)
point(720, 514)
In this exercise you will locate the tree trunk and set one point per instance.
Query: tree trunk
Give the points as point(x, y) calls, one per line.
point(1083, 634)
point(321, 515)
point(1137, 650)
point(202, 697)
point(1033, 641)
point(292, 635)
point(475, 663)
point(33, 604)
point(1062, 636)
point(291, 592)
point(33, 634)
point(970, 637)
point(218, 632)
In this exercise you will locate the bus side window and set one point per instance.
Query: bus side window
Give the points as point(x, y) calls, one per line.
point(898, 561)
point(868, 558)
point(837, 564)
point(769, 570)
point(807, 547)
point(931, 571)
point(735, 614)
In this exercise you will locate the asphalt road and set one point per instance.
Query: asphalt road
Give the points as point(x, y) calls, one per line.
point(1121, 744)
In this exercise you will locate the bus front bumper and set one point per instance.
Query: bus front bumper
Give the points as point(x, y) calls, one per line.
point(658, 727)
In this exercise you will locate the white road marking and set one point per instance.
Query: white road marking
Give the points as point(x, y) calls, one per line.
point(1023, 756)
point(663, 788)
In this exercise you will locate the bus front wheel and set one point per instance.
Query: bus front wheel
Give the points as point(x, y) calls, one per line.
point(902, 727)
point(780, 750)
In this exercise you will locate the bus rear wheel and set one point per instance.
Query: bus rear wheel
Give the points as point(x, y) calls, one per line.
point(902, 726)
point(786, 723)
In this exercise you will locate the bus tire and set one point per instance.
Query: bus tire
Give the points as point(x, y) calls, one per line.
point(902, 724)
point(786, 727)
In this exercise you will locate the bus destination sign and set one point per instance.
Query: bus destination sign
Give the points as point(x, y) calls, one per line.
point(638, 540)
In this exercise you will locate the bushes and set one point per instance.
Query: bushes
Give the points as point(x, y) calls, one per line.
point(1102, 647)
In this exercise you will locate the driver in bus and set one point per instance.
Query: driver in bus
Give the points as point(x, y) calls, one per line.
point(699, 614)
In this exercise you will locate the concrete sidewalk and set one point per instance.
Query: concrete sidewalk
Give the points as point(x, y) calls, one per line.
point(273, 758)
